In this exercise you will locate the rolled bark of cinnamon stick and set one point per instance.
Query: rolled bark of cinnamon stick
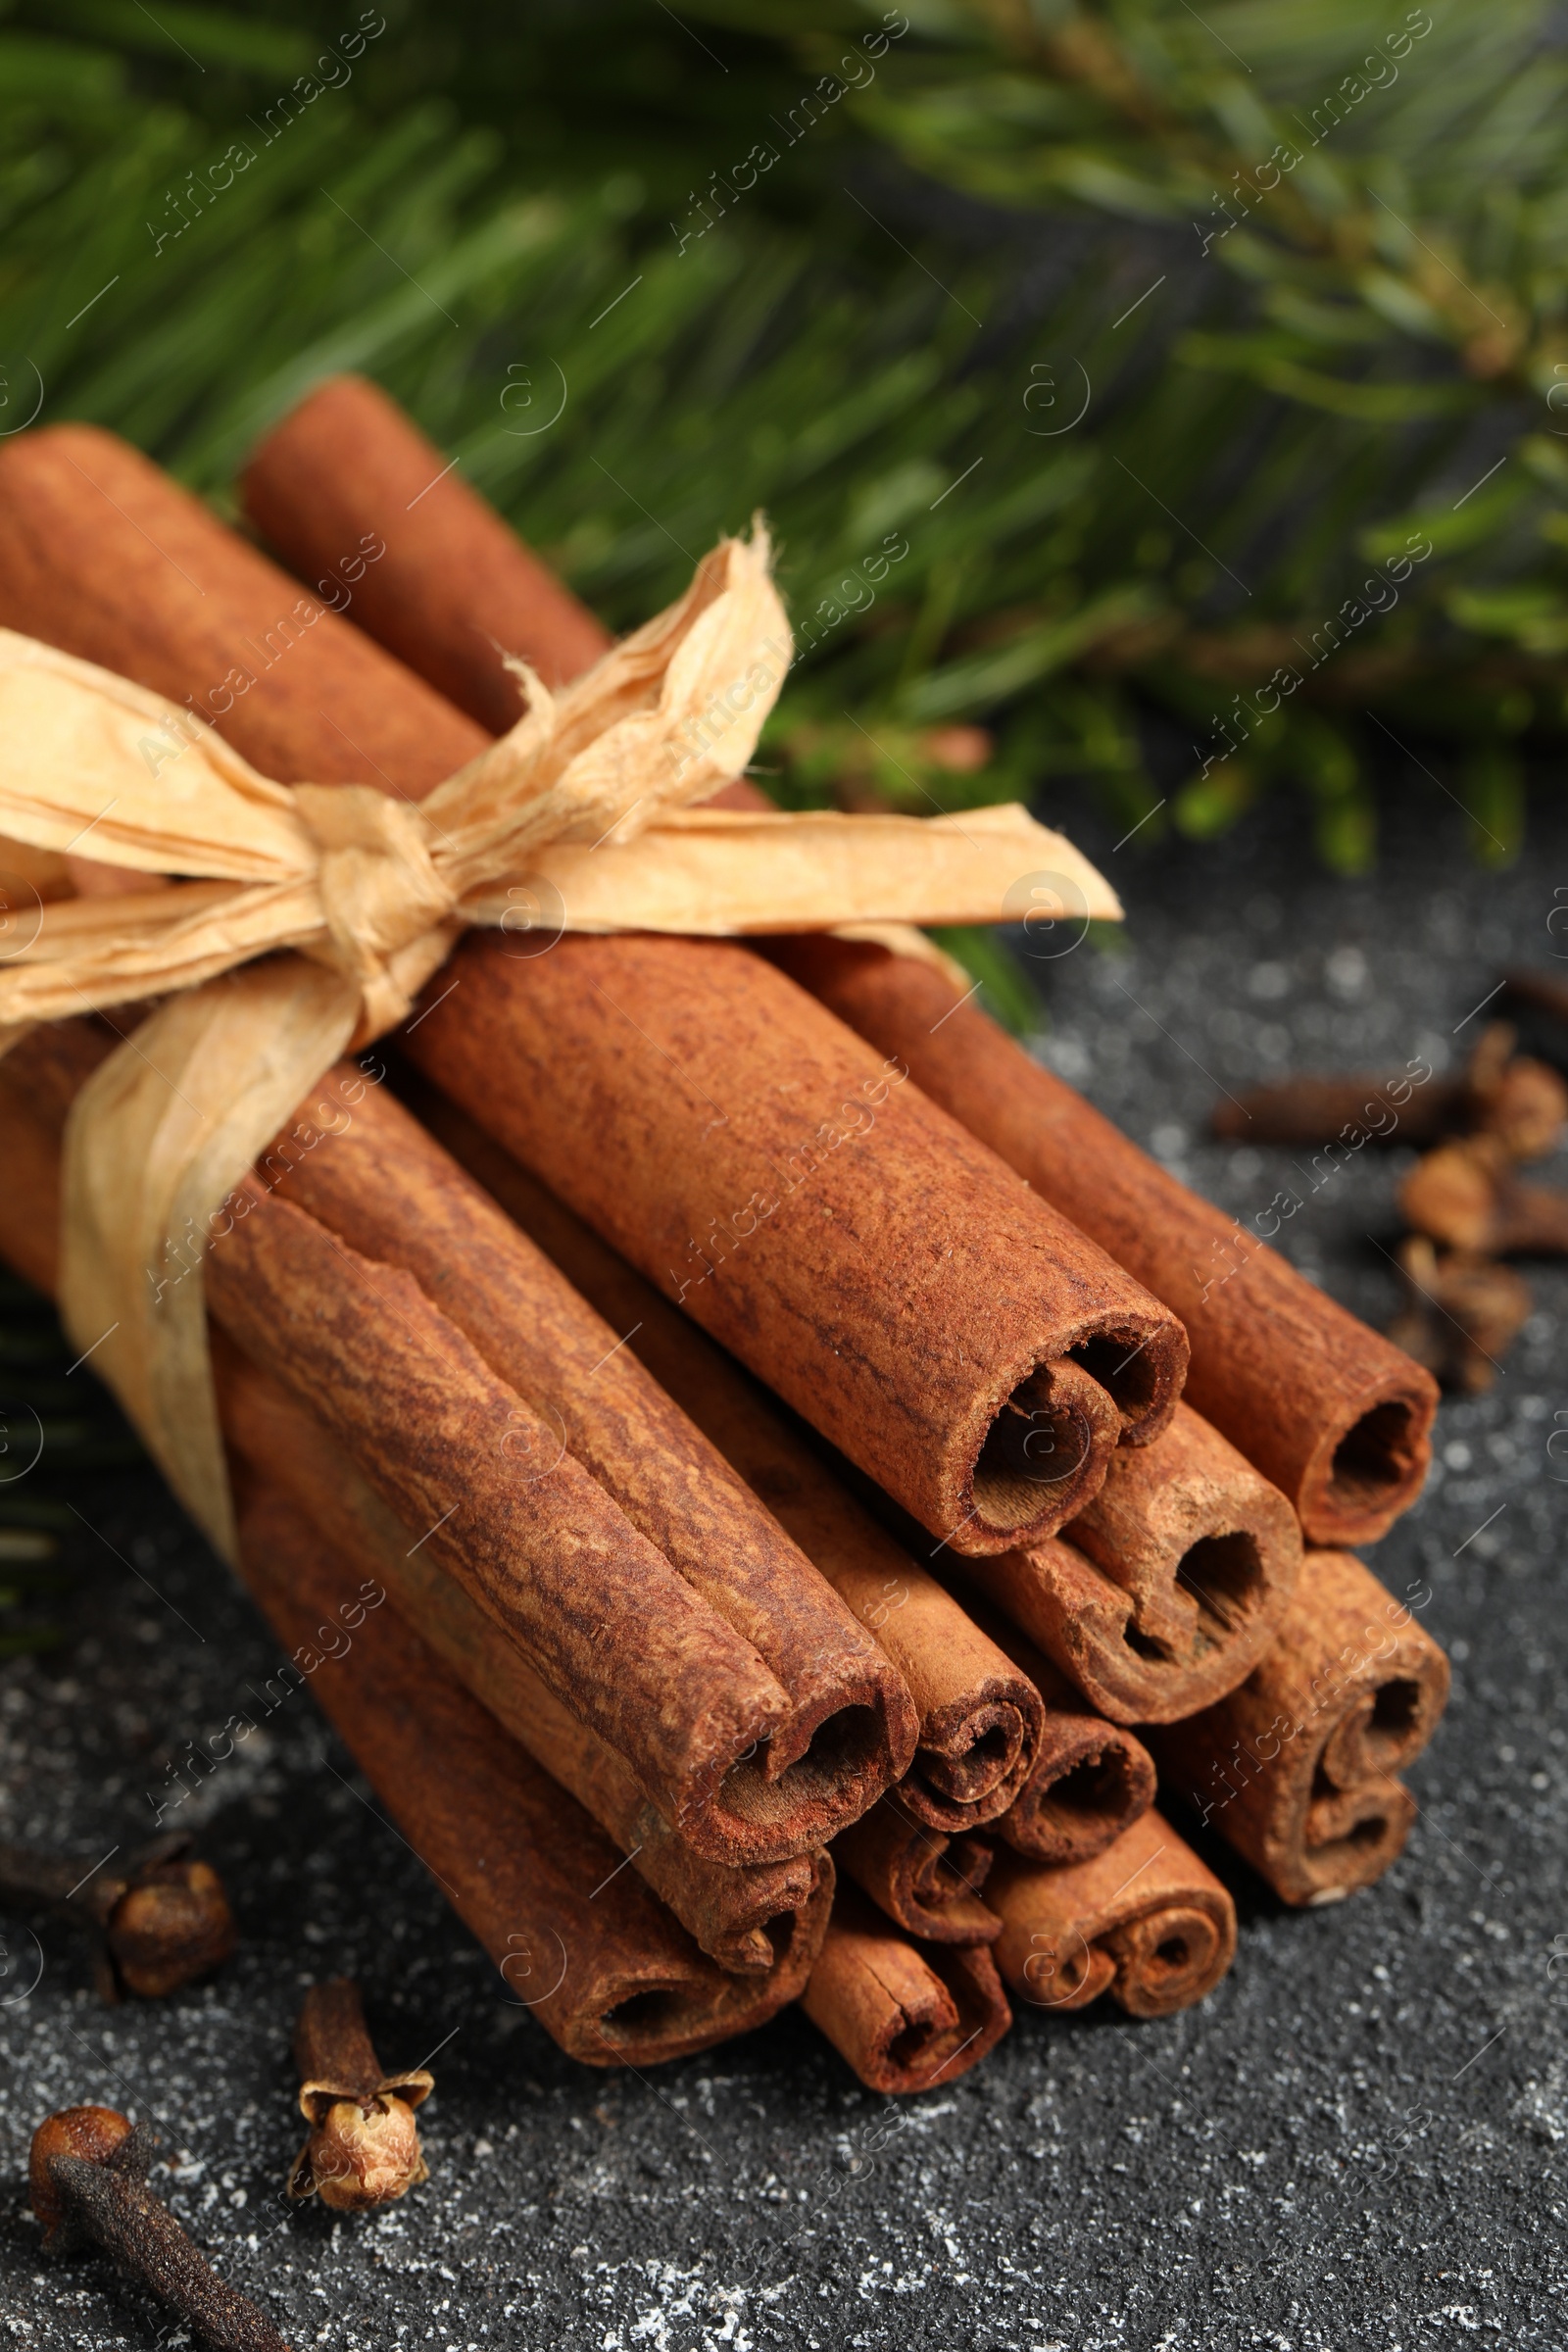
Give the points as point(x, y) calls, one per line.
point(1165, 1593)
point(925, 1881)
point(1333, 1415)
point(1145, 1921)
point(385, 1189)
point(539, 1544)
point(905, 2019)
point(979, 1715)
point(1091, 1779)
point(438, 610)
point(578, 1940)
point(751, 1917)
point(1297, 1767)
point(703, 1157)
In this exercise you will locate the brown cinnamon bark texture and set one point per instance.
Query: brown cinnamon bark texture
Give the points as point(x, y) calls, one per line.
point(1145, 1921)
point(439, 612)
point(979, 1715)
point(538, 1543)
point(293, 466)
point(874, 1264)
point(1297, 1767)
point(504, 1508)
point(1091, 1779)
point(1167, 1590)
point(923, 1880)
point(906, 2019)
point(1333, 1414)
point(751, 1917)
point(578, 1940)
point(384, 1188)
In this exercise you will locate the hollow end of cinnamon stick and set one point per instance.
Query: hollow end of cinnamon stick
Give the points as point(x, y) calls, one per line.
point(1044, 1455)
point(925, 1881)
point(905, 2019)
point(1298, 1768)
point(1092, 1781)
point(577, 1939)
point(1145, 1920)
point(1164, 1593)
point(1371, 1461)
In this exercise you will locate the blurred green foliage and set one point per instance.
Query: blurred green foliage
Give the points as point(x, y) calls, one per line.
point(1181, 399)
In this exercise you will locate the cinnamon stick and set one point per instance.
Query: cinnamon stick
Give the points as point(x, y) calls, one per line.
point(781, 1301)
point(1091, 1779)
point(385, 1189)
point(503, 1507)
point(750, 1917)
point(1297, 1767)
point(1170, 1588)
point(979, 1715)
point(1333, 1415)
point(925, 1881)
point(578, 1940)
point(1145, 1921)
point(905, 2019)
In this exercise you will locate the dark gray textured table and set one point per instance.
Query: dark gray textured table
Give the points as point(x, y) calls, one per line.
point(1357, 2143)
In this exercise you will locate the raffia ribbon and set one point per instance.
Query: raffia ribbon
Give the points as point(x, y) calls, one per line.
point(578, 818)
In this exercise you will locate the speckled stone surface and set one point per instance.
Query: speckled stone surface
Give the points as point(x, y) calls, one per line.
point(1358, 2143)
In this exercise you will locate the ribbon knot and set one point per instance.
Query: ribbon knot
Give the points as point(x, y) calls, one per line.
point(388, 912)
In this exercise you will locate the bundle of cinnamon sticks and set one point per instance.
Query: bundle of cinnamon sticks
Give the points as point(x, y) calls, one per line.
point(753, 1387)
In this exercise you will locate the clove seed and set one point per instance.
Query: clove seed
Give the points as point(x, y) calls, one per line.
point(88, 2177)
point(1462, 1315)
point(1467, 1197)
point(364, 2147)
point(156, 1922)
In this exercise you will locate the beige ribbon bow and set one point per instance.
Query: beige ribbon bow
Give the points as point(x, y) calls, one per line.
point(578, 818)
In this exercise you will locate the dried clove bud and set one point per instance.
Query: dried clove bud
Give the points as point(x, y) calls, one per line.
point(1467, 1197)
point(1464, 1313)
point(364, 2147)
point(1522, 1103)
point(156, 1922)
point(88, 2177)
